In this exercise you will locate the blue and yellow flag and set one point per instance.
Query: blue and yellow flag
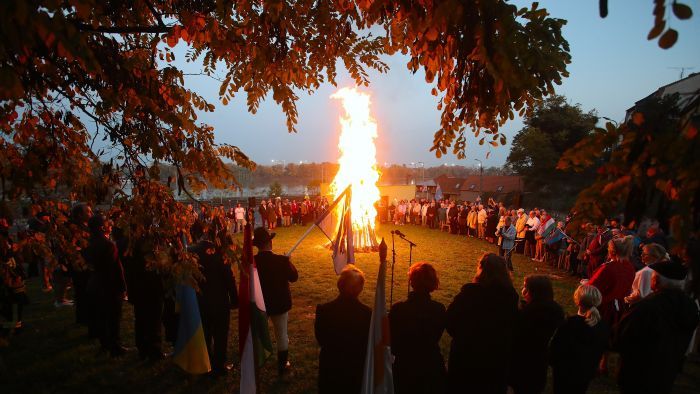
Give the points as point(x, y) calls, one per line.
point(190, 348)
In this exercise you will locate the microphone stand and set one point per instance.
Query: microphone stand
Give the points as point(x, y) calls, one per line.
point(411, 245)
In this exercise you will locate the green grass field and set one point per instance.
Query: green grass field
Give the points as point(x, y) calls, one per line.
point(54, 355)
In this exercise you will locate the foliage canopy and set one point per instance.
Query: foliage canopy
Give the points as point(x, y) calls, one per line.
point(73, 72)
point(553, 127)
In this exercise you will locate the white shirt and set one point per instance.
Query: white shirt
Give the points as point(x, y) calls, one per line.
point(534, 223)
point(481, 216)
point(239, 212)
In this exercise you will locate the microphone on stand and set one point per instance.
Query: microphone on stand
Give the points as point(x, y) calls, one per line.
point(399, 233)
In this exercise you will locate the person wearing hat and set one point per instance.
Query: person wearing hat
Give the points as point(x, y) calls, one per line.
point(653, 336)
point(275, 272)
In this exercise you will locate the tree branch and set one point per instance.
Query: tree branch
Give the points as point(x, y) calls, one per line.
point(155, 14)
point(123, 29)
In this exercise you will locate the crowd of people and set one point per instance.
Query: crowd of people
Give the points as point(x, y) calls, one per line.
point(500, 344)
point(634, 298)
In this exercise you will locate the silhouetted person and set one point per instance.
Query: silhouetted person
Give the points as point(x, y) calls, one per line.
point(342, 328)
point(537, 320)
point(217, 296)
point(147, 294)
point(416, 326)
point(578, 345)
point(653, 336)
point(480, 321)
point(106, 285)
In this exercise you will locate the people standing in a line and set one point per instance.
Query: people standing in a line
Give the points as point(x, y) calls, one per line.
point(480, 321)
point(579, 343)
point(276, 272)
point(342, 328)
point(416, 327)
point(653, 336)
point(538, 318)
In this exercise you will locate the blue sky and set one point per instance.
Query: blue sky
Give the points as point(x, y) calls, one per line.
point(613, 65)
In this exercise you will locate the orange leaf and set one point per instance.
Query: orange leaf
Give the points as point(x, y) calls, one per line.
point(638, 118)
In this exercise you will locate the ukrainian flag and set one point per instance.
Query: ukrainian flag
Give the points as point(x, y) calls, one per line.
point(190, 348)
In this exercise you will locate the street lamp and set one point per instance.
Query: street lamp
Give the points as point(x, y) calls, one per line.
point(423, 185)
point(611, 120)
point(481, 177)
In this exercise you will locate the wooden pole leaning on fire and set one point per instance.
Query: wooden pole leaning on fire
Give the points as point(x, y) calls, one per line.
point(325, 218)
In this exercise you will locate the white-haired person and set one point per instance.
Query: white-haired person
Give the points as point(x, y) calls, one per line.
point(641, 287)
point(579, 343)
point(653, 336)
point(341, 329)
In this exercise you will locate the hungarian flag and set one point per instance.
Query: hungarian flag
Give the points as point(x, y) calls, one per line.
point(336, 225)
point(548, 225)
point(378, 377)
point(254, 339)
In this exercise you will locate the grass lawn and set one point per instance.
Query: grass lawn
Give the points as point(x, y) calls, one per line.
point(53, 354)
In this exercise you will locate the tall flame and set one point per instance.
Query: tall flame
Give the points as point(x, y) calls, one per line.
point(358, 164)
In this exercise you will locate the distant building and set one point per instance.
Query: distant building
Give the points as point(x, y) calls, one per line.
point(687, 89)
point(469, 188)
point(448, 187)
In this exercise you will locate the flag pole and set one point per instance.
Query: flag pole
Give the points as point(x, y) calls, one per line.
point(328, 212)
point(301, 239)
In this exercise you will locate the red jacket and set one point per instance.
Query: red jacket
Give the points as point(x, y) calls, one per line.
point(614, 280)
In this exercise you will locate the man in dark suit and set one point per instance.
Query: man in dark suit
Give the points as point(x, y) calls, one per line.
point(217, 296)
point(275, 272)
point(341, 329)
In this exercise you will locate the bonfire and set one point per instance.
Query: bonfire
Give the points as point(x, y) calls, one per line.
point(358, 165)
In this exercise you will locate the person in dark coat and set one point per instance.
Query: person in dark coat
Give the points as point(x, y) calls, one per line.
point(342, 328)
point(217, 296)
point(107, 286)
point(653, 336)
point(480, 321)
point(147, 295)
point(537, 320)
point(578, 344)
point(416, 326)
point(80, 273)
point(275, 272)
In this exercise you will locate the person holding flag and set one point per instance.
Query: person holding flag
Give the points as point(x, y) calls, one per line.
point(276, 272)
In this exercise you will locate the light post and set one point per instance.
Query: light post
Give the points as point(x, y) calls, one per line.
point(425, 188)
point(617, 124)
point(481, 177)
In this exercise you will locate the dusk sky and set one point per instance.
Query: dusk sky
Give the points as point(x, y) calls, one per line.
point(612, 66)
